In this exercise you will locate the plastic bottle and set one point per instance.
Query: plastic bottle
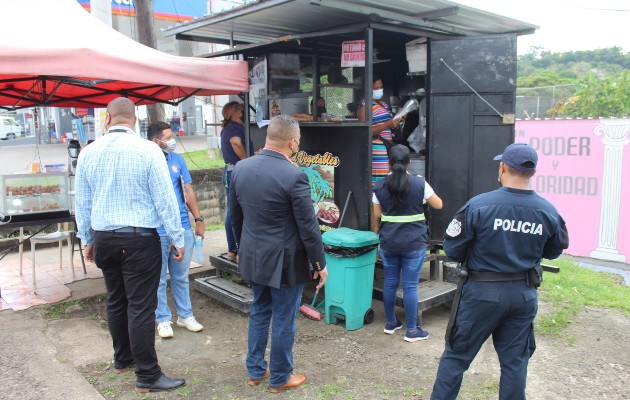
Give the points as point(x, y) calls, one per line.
point(198, 256)
point(259, 111)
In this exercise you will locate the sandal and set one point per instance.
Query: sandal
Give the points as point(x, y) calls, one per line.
point(232, 257)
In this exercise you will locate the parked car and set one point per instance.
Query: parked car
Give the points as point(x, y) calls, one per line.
point(9, 128)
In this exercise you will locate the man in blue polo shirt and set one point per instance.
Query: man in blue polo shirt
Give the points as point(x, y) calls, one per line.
point(161, 134)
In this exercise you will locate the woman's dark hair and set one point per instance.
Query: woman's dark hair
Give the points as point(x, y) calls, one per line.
point(228, 111)
point(397, 182)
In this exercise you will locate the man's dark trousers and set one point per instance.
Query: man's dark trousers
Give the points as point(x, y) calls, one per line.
point(280, 308)
point(131, 265)
point(505, 310)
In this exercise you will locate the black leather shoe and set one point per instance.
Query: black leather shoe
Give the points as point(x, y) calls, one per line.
point(163, 383)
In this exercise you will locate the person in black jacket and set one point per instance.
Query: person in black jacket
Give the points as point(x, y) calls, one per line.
point(502, 236)
point(398, 205)
point(277, 236)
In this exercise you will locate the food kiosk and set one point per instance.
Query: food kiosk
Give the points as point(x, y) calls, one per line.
point(458, 63)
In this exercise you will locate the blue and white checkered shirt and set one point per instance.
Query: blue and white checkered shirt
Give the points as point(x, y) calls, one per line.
point(122, 180)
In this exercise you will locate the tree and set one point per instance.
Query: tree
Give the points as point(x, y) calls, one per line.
point(146, 36)
point(600, 97)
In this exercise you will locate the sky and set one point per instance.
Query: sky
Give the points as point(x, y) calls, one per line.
point(566, 25)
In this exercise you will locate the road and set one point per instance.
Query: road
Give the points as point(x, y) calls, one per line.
point(17, 155)
point(21, 141)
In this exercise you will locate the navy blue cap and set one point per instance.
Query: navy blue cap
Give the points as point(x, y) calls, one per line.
point(519, 156)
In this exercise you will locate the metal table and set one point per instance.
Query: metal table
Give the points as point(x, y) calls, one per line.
point(46, 222)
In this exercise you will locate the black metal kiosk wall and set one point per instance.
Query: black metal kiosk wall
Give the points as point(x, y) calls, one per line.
point(466, 94)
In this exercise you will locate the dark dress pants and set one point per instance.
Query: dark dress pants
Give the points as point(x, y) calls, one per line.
point(131, 265)
point(505, 310)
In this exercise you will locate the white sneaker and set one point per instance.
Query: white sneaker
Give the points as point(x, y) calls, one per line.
point(165, 330)
point(189, 323)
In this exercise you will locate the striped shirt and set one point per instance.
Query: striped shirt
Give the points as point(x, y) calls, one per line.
point(122, 181)
point(380, 163)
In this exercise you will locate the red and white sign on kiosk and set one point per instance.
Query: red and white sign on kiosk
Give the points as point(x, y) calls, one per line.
point(353, 53)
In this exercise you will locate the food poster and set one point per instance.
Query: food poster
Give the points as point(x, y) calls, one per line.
point(321, 168)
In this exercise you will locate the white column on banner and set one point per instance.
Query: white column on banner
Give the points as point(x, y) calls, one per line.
point(614, 134)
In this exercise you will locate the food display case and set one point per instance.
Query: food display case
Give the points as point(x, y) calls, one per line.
point(33, 197)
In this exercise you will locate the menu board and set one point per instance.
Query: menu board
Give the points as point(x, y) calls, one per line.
point(321, 168)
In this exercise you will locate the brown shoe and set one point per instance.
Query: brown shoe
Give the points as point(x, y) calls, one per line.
point(256, 382)
point(294, 381)
point(121, 369)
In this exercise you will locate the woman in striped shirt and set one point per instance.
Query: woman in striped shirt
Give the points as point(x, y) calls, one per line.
point(382, 124)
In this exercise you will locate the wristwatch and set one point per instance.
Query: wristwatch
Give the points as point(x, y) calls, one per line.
point(199, 219)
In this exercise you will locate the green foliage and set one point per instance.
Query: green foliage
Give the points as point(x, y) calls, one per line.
point(600, 97)
point(605, 61)
point(592, 83)
point(574, 288)
point(546, 78)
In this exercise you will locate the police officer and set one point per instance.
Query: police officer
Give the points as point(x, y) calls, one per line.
point(500, 236)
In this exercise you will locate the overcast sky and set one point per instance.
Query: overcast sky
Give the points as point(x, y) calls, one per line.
point(566, 25)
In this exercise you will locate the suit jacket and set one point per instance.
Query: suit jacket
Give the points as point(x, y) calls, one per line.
point(273, 221)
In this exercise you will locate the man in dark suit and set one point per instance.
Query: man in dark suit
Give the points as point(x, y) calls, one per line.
point(277, 236)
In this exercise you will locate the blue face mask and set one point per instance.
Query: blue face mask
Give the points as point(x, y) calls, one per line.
point(377, 94)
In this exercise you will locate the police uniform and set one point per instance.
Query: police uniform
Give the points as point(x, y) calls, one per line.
point(500, 235)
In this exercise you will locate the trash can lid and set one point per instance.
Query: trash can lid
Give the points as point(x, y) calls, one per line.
point(347, 237)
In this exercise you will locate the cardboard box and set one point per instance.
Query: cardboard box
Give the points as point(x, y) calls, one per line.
point(417, 55)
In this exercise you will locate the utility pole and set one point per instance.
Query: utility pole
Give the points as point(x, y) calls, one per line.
point(146, 36)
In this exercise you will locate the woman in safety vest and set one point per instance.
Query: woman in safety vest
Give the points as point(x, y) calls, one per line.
point(398, 206)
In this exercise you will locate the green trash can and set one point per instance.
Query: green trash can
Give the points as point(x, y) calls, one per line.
point(350, 259)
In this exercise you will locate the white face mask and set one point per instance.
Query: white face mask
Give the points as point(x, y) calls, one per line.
point(377, 94)
point(170, 146)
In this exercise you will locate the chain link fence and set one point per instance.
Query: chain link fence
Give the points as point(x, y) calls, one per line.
point(542, 101)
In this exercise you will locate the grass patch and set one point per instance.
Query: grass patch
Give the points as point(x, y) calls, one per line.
point(58, 311)
point(215, 227)
point(486, 390)
point(109, 392)
point(413, 393)
point(574, 288)
point(204, 159)
point(184, 391)
point(198, 381)
point(328, 391)
point(228, 388)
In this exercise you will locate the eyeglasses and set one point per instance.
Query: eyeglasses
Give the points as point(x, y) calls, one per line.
point(296, 142)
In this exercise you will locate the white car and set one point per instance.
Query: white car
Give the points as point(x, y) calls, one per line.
point(9, 128)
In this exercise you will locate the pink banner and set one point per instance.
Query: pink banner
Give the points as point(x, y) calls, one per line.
point(582, 168)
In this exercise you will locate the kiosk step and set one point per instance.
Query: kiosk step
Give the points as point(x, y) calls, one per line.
point(236, 296)
point(220, 262)
point(430, 293)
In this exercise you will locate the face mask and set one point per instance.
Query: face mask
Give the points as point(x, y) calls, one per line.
point(170, 146)
point(377, 94)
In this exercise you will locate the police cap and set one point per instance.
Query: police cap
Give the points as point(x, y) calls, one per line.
point(519, 156)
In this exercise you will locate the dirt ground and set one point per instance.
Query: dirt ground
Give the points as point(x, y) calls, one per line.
point(340, 364)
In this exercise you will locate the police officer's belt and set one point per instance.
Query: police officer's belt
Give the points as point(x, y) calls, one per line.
point(487, 276)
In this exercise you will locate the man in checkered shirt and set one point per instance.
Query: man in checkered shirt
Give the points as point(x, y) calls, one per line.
point(123, 193)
